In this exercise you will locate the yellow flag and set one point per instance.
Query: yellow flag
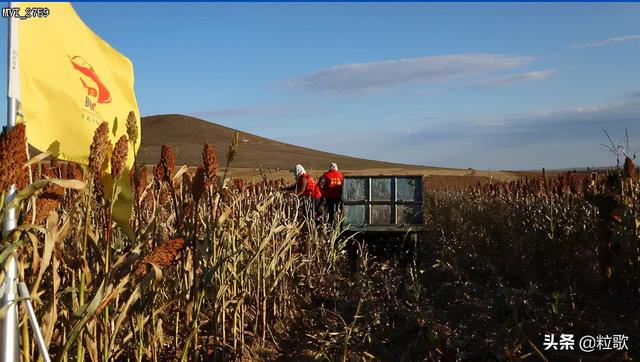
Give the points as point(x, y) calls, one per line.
point(70, 81)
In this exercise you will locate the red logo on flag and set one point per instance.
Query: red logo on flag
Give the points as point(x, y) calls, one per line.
point(90, 80)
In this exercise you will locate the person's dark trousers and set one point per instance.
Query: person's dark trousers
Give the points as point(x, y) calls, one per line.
point(333, 205)
point(311, 207)
point(317, 209)
point(307, 206)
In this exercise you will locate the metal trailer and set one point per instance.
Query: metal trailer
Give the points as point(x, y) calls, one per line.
point(383, 204)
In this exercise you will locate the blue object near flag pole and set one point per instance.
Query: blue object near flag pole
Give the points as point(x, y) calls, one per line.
point(9, 343)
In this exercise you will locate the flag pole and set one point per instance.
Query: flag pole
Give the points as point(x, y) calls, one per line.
point(9, 343)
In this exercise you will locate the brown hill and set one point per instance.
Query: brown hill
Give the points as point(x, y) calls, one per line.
point(186, 135)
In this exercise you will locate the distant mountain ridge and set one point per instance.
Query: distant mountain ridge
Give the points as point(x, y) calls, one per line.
point(186, 135)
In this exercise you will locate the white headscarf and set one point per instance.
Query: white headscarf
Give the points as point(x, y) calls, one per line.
point(334, 166)
point(298, 170)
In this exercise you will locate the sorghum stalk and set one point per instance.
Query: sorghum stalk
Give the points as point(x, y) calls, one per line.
point(118, 162)
point(97, 154)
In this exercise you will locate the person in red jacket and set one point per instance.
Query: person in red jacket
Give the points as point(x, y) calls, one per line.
point(305, 188)
point(331, 188)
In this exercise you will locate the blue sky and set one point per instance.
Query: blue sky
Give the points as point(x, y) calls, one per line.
point(500, 86)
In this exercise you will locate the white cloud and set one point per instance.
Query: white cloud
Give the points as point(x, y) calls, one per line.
point(513, 78)
point(619, 39)
point(498, 81)
point(384, 75)
point(558, 138)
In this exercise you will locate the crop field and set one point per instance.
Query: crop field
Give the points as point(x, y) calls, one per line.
point(215, 268)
